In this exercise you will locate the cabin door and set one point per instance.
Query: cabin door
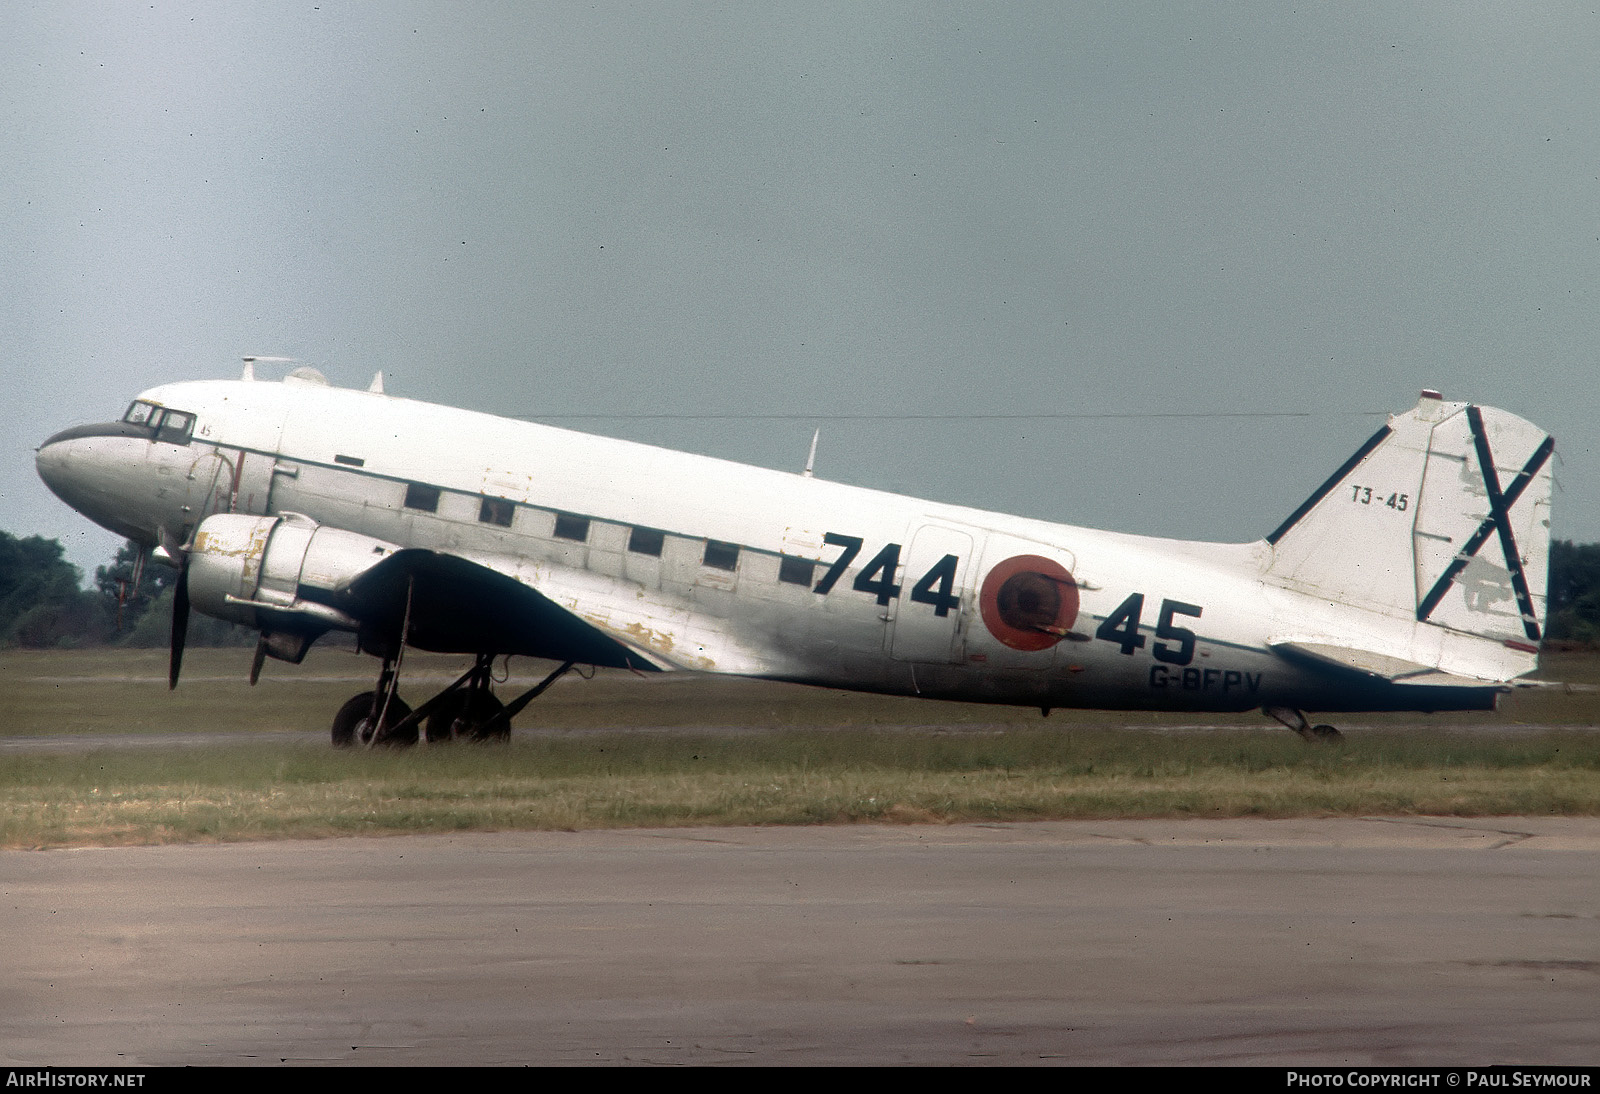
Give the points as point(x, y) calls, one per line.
point(255, 479)
point(933, 594)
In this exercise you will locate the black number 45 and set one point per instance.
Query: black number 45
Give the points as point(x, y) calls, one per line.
point(1122, 627)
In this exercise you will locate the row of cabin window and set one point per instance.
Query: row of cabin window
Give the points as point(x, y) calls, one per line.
point(644, 541)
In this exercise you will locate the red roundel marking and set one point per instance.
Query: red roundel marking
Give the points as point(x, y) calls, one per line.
point(1029, 602)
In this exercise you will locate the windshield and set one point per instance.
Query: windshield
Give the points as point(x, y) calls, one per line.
point(176, 427)
point(172, 426)
point(140, 413)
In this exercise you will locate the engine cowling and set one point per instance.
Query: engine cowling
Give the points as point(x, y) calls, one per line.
point(277, 573)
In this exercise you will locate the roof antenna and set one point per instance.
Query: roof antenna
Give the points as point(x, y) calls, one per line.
point(376, 387)
point(811, 457)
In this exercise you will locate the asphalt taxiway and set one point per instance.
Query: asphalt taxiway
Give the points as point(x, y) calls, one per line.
point(1341, 942)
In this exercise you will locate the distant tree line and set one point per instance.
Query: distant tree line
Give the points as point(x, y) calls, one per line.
point(44, 606)
point(1573, 613)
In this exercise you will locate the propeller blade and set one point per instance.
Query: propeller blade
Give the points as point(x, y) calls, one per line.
point(180, 624)
point(259, 660)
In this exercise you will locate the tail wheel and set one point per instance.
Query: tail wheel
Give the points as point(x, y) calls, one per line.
point(462, 716)
point(356, 724)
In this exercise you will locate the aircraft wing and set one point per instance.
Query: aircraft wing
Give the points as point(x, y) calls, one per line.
point(1370, 664)
point(448, 602)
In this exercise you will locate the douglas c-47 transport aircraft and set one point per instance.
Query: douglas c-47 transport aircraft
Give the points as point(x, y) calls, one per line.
point(1412, 579)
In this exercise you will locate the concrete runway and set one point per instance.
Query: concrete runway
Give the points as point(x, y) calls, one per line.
point(1338, 942)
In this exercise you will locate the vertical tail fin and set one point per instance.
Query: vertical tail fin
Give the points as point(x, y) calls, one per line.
point(1442, 517)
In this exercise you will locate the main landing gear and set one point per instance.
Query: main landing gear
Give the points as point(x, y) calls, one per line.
point(465, 711)
point(1296, 720)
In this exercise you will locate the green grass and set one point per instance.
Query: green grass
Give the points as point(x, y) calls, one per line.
point(257, 791)
point(787, 755)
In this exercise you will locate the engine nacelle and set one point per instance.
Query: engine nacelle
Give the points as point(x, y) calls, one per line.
point(268, 572)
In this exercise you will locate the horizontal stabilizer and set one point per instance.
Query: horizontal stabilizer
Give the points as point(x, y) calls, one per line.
point(1372, 664)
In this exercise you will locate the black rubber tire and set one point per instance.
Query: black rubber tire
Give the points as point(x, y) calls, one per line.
point(1327, 733)
point(461, 715)
point(500, 733)
point(353, 724)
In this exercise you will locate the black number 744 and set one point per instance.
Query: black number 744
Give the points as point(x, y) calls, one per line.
point(877, 578)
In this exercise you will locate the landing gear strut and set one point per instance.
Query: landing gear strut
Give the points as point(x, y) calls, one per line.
point(466, 710)
point(1296, 720)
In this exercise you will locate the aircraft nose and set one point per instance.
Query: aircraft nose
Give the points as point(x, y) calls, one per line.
point(95, 469)
point(54, 464)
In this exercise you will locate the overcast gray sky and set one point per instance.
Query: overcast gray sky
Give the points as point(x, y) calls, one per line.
point(1301, 213)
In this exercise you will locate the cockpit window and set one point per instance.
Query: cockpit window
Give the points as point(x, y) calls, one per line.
point(172, 426)
point(140, 413)
point(177, 426)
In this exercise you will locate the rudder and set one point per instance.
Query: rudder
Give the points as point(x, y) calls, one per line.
point(1443, 516)
point(1483, 528)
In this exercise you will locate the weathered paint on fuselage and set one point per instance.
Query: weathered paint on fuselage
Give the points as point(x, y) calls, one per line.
point(1197, 640)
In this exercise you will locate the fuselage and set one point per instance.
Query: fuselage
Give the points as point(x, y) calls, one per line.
point(714, 566)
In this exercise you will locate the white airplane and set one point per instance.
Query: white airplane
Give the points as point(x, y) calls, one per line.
point(1412, 579)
